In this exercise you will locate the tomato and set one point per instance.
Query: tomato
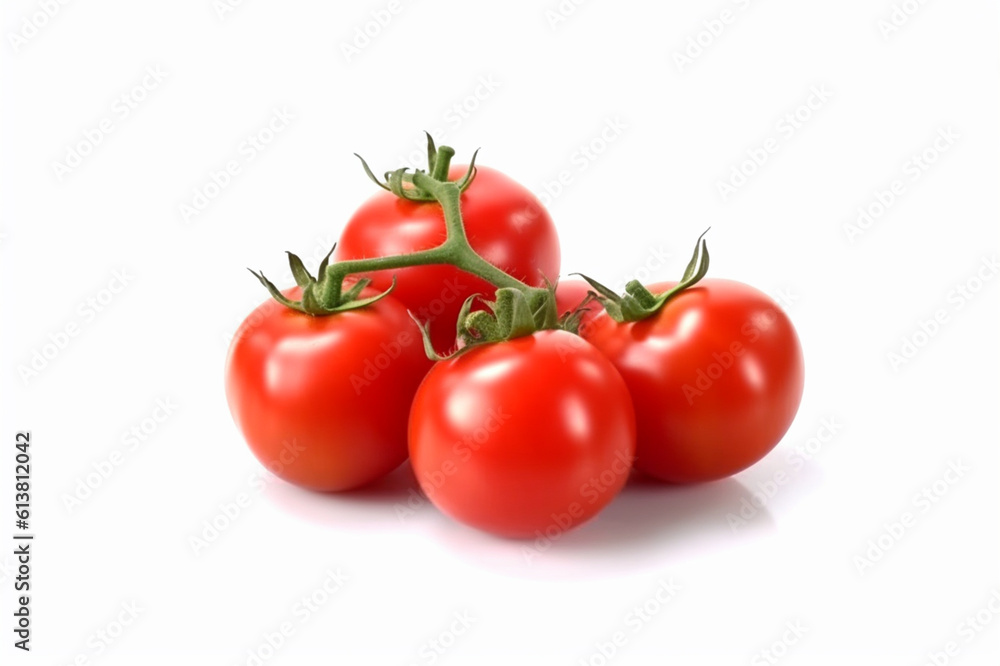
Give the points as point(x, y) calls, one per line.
point(570, 294)
point(504, 222)
point(323, 401)
point(716, 376)
point(523, 437)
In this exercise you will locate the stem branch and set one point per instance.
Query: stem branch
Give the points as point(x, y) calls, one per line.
point(455, 250)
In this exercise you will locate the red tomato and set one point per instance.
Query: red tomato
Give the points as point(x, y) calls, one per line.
point(323, 401)
point(523, 437)
point(504, 222)
point(569, 295)
point(716, 377)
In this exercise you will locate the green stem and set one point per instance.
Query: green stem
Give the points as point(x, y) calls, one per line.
point(331, 285)
point(455, 250)
point(458, 251)
point(442, 161)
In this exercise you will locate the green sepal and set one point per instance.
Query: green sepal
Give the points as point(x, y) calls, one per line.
point(399, 179)
point(543, 306)
point(608, 299)
point(326, 262)
point(638, 303)
point(480, 326)
point(431, 152)
point(311, 303)
point(400, 183)
point(275, 292)
point(371, 175)
point(570, 321)
point(470, 335)
point(470, 174)
point(299, 272)
point(511, 315)
point(357, 303)
point(353, 292)
point(425, 335)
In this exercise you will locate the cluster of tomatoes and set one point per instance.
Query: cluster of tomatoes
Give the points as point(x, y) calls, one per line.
point(538, 428)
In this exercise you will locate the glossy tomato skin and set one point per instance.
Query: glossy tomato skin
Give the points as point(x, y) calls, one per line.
point(323, 402)
point(523, 437)
point(504, 223)
point(716, 377)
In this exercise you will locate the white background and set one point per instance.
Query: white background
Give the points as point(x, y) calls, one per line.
point(654, 186)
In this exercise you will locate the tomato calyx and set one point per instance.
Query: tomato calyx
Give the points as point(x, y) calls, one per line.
point(455, 250)
point(638, 303)
point(310, 302)
point(328, 293)
point(512, 314)
point(570, 321)
point(405, 186)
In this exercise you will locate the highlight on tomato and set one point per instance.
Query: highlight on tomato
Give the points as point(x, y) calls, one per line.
point(715, 370)
point(322, 398)
point(437, 334)
point(522, 433)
